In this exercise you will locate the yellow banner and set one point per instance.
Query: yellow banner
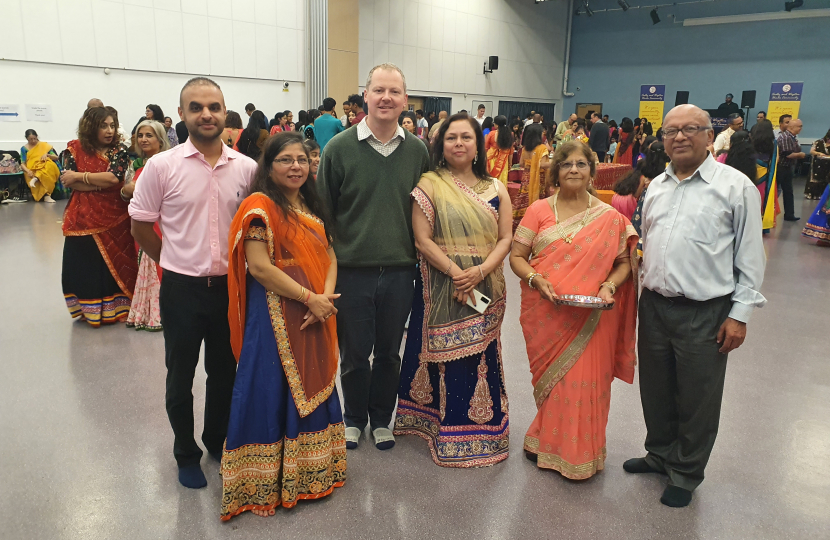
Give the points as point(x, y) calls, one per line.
point(778, 108)
point(653, 111)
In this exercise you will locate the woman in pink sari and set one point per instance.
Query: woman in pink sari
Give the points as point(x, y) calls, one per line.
point(573, 243)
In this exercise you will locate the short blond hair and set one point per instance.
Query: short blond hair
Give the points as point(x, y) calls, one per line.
point(387, 66)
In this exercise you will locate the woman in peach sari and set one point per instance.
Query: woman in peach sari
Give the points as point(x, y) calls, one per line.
point(572, 243)
point(498, 144)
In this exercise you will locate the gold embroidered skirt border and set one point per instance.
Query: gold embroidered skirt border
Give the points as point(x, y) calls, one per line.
point(454, 446)
point(264, 476)
point(580, 471)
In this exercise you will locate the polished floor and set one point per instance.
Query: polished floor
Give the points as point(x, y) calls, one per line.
point(87, 449)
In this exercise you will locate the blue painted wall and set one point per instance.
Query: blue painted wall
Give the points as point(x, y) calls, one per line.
point(613, 53)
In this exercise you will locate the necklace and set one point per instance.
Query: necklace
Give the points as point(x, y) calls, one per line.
point(569, 239)
point(482, 186)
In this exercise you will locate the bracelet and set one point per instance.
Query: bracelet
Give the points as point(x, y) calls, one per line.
point(530, 279)
point(447, 272)
point(301, 295)
point(611, 285)
point(124, 197)
point(86, 178)
point(480, 271)
point(307, 297)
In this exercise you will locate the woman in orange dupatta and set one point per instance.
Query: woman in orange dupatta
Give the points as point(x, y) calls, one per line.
point(286, 439)
point(498, 144)
point(99, 258)
point(534, 162)
point(575, 244)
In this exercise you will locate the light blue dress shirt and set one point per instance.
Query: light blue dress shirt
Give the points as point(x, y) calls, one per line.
point(702, 237)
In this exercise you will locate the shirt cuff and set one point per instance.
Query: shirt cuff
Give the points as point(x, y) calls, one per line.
point(144, 216)
point(740, 312)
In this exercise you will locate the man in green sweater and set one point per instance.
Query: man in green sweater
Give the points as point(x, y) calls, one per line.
point(365, 178)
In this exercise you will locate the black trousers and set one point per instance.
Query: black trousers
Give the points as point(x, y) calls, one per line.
point(785, 180)
point(601, 156)
point(371, 315)
point(681, 382)
point(192, 313)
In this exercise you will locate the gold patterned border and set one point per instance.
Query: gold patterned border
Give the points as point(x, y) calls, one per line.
point(566, 360)
point(524, 236)
point(557, 463)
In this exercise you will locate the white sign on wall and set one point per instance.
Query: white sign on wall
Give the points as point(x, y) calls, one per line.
point(38, 113)
point(9, 113)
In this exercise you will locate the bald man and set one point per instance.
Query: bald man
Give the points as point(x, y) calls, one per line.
point(94, 102)
point(789, 155)
point(703, 264)
point(441, 117)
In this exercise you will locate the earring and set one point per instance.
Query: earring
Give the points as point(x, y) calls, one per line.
point(443, 162)
point(475, 159)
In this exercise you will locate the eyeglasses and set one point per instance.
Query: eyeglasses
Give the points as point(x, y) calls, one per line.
point(287, 161)
point(688, 131)
point(568, 165)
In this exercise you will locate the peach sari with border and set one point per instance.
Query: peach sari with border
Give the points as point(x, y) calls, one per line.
point(575, 353)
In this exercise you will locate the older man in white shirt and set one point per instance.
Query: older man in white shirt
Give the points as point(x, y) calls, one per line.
point(703, 264)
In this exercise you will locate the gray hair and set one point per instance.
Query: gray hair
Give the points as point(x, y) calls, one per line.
point(161, 135)
point(388, 66)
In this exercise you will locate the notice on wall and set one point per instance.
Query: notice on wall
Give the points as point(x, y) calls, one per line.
point(784, 98)
point(38, 113)
point(652, 99)
point(9, 113)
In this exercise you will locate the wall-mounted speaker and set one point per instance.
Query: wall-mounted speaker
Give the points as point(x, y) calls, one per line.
point(748, 99)
point(494, 63)
point(682, 98)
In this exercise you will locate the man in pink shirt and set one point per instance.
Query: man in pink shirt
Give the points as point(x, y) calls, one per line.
point(193, 191)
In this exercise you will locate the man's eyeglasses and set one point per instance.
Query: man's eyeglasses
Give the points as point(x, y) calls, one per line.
point(287, 161)
point(688, 131)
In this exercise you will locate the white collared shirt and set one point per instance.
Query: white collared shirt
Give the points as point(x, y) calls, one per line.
point(481, 120)
point(384, 149)
point(722, 140)
point(702, 237)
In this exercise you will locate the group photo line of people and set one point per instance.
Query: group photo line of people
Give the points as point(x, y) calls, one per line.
point(291, 249)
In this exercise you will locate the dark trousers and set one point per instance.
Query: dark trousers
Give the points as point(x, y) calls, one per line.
point(681, 382)
point(601, 157)
point(371, 315)
point(190, 314)
point(785, 181)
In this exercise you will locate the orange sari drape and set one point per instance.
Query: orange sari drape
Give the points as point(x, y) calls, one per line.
point(104, 216)
point(297, 245)
point(498, 160)
point(575, 353)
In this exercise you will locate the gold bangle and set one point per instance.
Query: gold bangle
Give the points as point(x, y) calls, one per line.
point(530, 279)
point(611, 285)
point(301, 295)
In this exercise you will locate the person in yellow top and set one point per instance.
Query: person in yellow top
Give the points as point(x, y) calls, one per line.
point(38, 163)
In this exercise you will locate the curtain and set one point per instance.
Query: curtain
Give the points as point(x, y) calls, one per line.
point(437, 104)
point(511, 109)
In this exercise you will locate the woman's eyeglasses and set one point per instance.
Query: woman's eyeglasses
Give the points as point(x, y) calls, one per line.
point(568, 165)
point(287, 161)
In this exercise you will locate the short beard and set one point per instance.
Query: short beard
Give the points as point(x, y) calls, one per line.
point(194, 134)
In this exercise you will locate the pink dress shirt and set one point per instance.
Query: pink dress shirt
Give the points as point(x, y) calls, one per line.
point(194, 205)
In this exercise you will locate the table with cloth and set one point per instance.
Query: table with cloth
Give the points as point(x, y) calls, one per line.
point(609, 173)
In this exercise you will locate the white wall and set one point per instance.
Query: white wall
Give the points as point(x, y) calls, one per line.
point(55, 51)
point(441, 46)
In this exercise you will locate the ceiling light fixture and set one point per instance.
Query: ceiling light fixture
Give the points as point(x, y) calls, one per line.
point(789, 6)
point(655, 18)
point(623, 4)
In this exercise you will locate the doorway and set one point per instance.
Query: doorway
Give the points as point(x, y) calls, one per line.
point(583, 110)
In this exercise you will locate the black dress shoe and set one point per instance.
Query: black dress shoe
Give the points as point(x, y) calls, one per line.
point(676, 497)
point(639, 465)
point(531, 456)
point(793, 218)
